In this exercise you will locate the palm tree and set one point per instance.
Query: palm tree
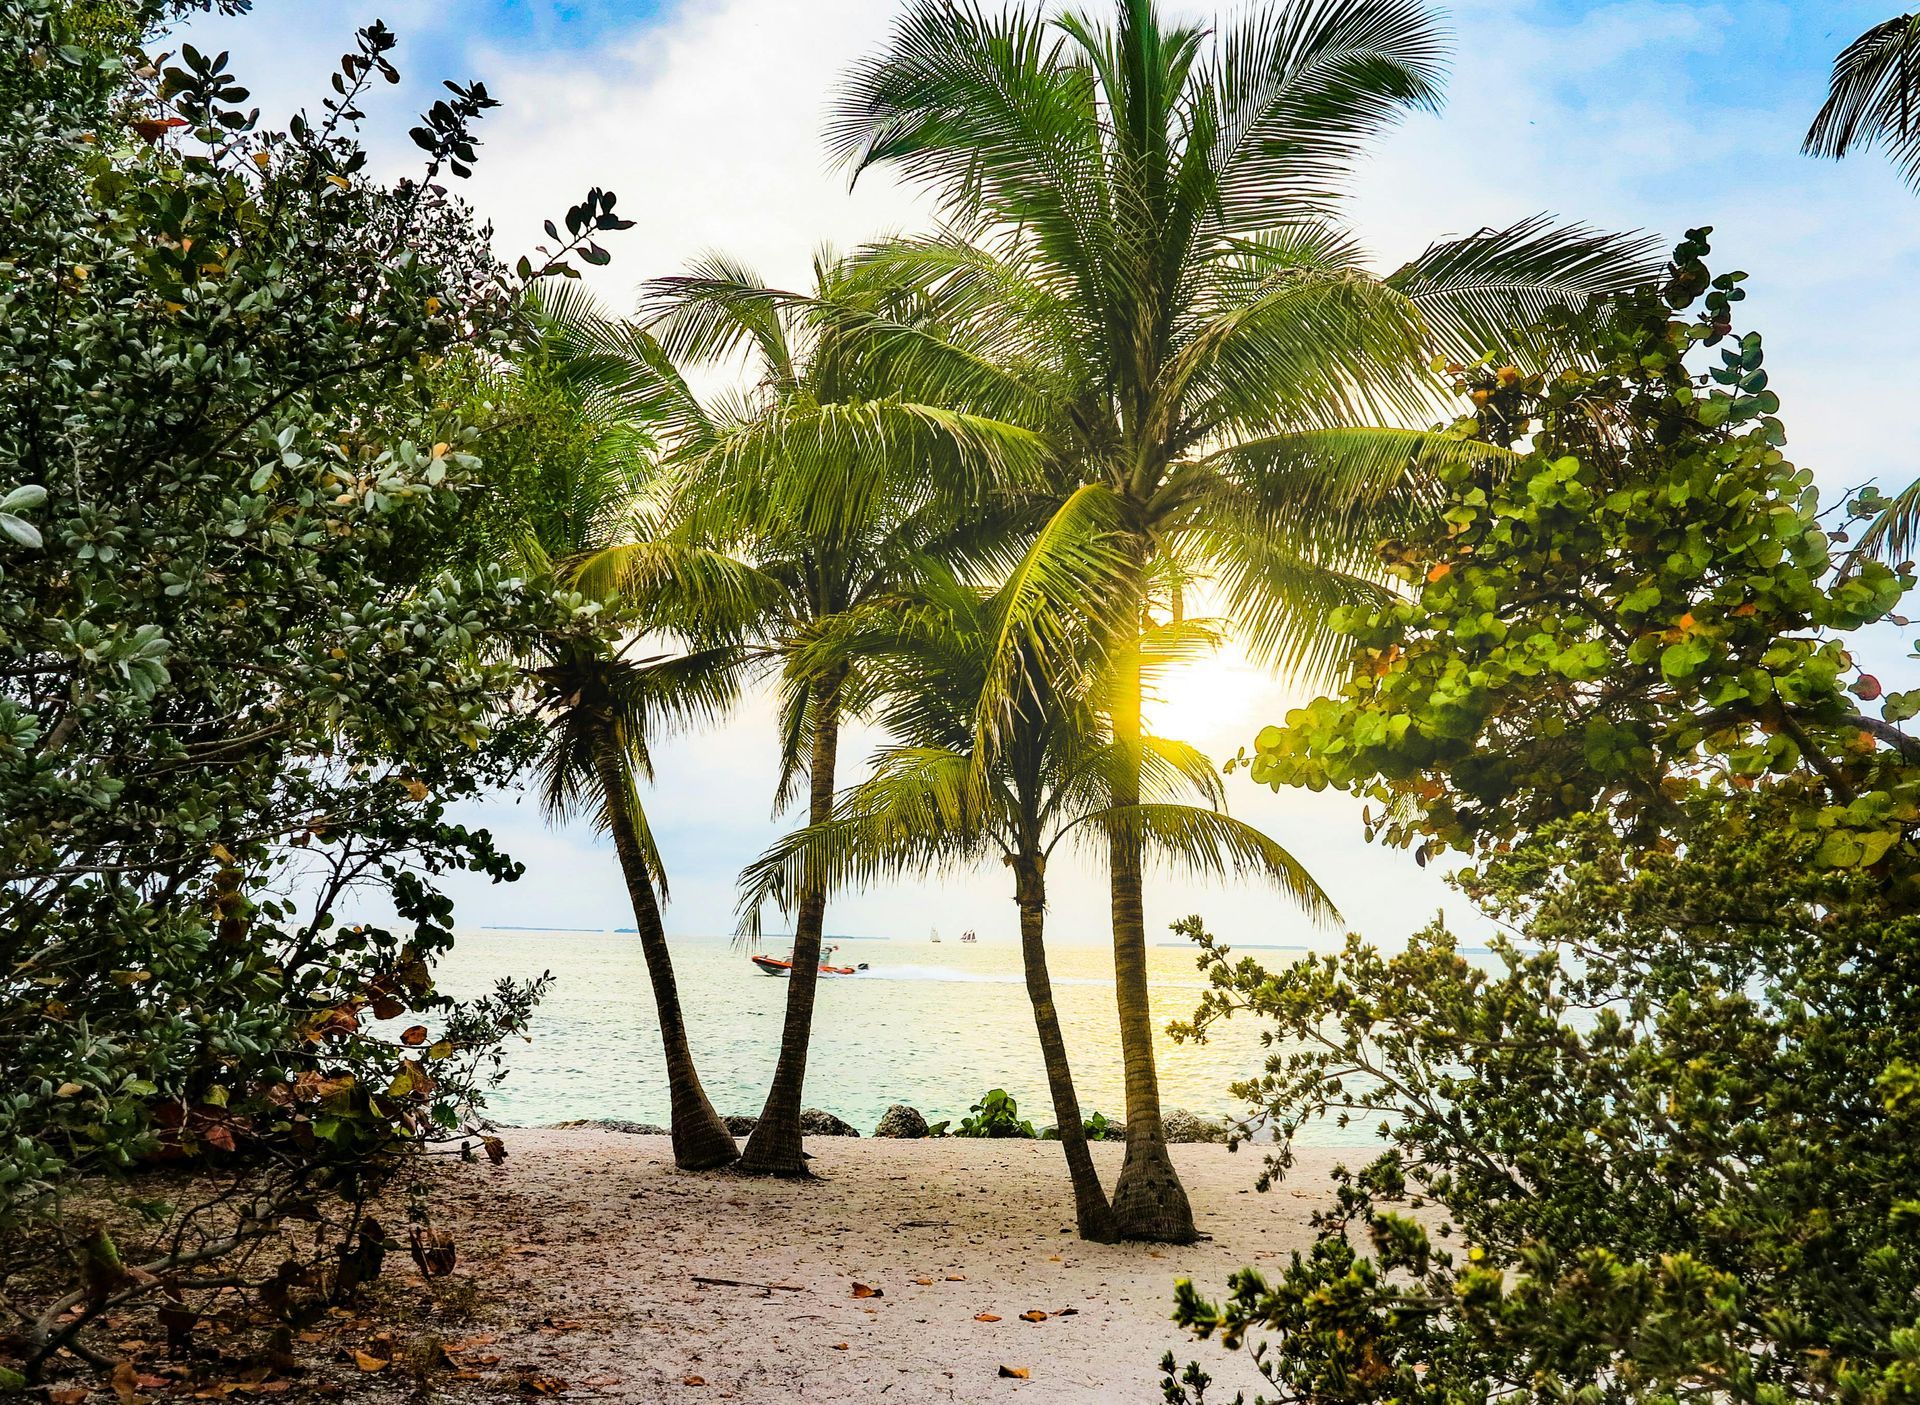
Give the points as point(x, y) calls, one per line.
point(928, 804)
point(601, 702)
point(1142, 264)
point(1874, 97)
point(831, 489)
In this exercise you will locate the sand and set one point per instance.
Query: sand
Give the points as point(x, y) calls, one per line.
point(591, 1246)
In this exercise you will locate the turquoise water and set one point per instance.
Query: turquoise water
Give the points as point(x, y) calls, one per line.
point(929, 1025)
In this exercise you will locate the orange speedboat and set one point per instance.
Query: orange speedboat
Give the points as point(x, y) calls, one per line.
point(773, 966)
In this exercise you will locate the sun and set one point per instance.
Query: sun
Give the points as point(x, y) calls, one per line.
point(1218, 703)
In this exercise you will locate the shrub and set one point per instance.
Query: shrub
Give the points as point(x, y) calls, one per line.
point(241, 688)
point(1669, 1118)
point(995, 1115)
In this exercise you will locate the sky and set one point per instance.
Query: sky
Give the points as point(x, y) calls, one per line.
point(705, 117)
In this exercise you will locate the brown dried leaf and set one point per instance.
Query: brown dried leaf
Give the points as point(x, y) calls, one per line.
point(924, 1282)
point(433, 1250)
point(956, 1278)
point(1033, 1315)
point(865, 1290)
point(985, 1317)
point(693, 1380)
point(838, 1346)
point(414, 1034)
point(1014, 1373)
point(367, 1361)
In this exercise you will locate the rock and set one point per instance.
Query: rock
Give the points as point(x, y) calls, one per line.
point(815, 1123)
point(1184, 1126)
point(608, 1124)
point(900, 1121)
point(741, 1126)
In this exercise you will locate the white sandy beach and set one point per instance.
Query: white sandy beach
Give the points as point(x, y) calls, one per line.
point(597, 1232)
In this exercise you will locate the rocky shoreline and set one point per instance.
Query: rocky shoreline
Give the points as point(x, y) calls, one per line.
point(904, 1123)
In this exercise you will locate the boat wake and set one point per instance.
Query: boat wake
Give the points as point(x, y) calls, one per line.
point(959, 977)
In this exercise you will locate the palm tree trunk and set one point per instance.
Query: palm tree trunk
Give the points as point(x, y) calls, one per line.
point(1148, 1200)
point(1091, 1213)
point(774, 1147)
point(700, 1139)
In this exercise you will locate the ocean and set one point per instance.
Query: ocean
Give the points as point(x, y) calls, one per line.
point(930, 1025)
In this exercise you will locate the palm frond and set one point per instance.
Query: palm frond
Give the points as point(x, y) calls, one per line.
point(1295, 93)
point(1894, 531)
point(1061, 593)
point(921, 809)
point(1481, 294)
point(1213, 845)
point(720, 309)
point(1873, 98)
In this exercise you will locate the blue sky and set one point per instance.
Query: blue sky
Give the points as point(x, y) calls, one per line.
point(704, 115)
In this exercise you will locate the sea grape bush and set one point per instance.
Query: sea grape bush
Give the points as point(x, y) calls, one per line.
point(1643, 604)
point(1659, 1146)
point(241, 678)
point(1657, 1140)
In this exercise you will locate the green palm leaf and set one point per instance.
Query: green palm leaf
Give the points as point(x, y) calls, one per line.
point(1479, 293)
point(1214, 845)
point(1873, 98)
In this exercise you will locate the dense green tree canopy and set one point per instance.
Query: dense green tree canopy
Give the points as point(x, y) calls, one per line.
point(1644, 603)
point(1667, 1113)
point(238, 680)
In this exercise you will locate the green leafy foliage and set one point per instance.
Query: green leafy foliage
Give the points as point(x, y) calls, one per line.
point(1641, 605)
point(1656, 1145)
point(240, 688)
point(1097, 1126)
point(1655, 1141)
point(995, 1115)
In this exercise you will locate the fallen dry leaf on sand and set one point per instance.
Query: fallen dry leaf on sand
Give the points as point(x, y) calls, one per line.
point(956, 1278)
point(984, 1317)
point(838, 1346)
point(693, 1380)
point(126, 1384)
point(367, 1361)
point(1033, 1315)
point(924, 1282)
point(1017, 1373)
point(866, 1290)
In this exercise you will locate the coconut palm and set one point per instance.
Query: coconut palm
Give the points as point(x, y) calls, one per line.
point(1142, 263)
point(602, 699)
point(1047, 782)
point(830, 489)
